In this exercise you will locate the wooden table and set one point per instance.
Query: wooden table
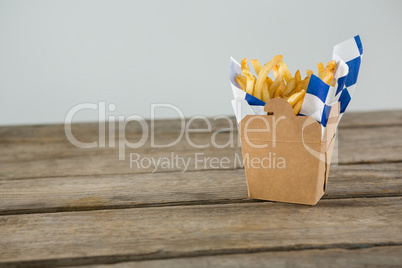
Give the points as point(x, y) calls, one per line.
point(65, 206)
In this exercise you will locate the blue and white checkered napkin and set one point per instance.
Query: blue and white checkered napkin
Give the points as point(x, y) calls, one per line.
point(319, 96)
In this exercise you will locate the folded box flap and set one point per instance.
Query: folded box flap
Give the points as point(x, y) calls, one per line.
point(280, 125)
point(279, 106)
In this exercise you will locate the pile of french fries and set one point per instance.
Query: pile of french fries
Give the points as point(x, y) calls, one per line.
point(284, 85)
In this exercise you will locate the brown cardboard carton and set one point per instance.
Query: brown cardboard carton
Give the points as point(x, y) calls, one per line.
point(285, 157)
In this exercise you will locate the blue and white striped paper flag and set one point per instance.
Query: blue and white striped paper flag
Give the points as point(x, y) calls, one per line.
point(319, 96)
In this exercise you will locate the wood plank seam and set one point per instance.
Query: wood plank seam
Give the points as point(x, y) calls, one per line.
point(235, 131)
point(179, 171)
point(370, 126)
point(160, 254)
point(177, 204)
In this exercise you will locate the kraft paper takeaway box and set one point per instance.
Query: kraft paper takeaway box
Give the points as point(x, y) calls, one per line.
point(286, 157)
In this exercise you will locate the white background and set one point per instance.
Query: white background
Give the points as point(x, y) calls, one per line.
point(57, 54)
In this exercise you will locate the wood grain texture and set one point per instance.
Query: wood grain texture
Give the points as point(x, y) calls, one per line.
point(105, 212)
point(56, 132)
point(81, 130)
point(61, 158)
point(176, 188)
point(371, 119)
point(149, 233)
point(351, 258)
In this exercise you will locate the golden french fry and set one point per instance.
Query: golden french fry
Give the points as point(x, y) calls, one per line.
point(320, 67)
point(269, 81)
point(329, 71)
point(257, 94)
point(241, 78)
point(275, 85)
point(256, 65)
point(262, 76)
point(244, 65)
point(265, 92)
point(281, 72)
point(275, 70)
point(250, 82)
point(285, 70)
point(293, 90)
point(307, 80)
point(290, 87)
point(242, 83)
point(245, 69)
point(305, 84)
point(297, 107)
point(277, 81)
point(297, 77)
point(279, 90)
point(296, 97)
point(301, 85)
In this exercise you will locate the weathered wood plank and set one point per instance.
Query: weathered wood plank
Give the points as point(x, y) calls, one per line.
point(82, 130)
point(164, 189)
point(365, 145)
point(56, 158)
point(371, 119)
point(88, 132)
point(364, 257)
point(152, 233)
point(46, 159)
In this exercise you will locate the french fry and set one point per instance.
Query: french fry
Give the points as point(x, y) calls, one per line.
point(320, 67)
point(257, 94)
point(275, 70)
point(290, 87)
point(279, 90)
point(244, 65)
point(265, 92)
point(241, 82)
point(305, 84)
point(297, 107)
point(284, 85)
point(297, 77)
point(256, 65)
point(250, 82)
point(301, 85)
point(269, 81)
point(285, 70)
point(262, 76)
point(329, 71)
point(275, 85)
point(245, 70)
point(277, 81)
point(296, 97)
point(241, 78)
